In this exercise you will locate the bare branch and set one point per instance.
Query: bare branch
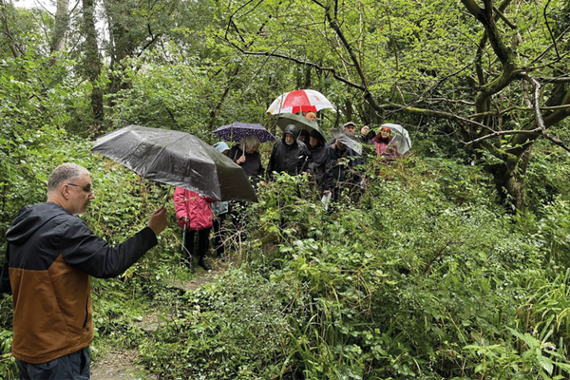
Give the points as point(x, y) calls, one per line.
point(518, 108)
point(550, 30)
point(296, 60)
point(435, 113)
point(231, 22)
point(504, 18)
point(504, 133)
point(14, 47)
point(252, 9)
point(458, 101)
point(551, 46)
point(536, 100)
point(556, 140)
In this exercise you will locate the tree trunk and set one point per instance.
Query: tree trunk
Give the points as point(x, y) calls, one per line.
point(509, 183)
point(5, 29)
point(61, 25)
point(92, 63)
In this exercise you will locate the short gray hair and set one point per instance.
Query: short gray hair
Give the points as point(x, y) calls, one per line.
point(64, 173)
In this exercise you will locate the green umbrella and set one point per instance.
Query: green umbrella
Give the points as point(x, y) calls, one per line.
point(300, 121)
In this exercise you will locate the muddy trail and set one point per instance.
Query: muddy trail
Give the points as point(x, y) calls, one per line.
point(121, 364)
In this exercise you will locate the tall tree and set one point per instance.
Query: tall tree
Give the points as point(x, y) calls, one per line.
point(92, 61)
point(61, 25)
point(494, 73)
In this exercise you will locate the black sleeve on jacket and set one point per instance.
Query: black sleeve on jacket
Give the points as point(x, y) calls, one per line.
point(261, 171)
point(86, 251)
point(327, 180)
point(305, 157)
point(5, 286)
point(235, 153)
point(271, 163)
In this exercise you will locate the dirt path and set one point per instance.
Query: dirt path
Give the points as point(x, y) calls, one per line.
point(118, 365)
point(121, 364)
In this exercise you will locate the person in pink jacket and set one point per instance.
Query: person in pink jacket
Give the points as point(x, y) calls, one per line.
point(194, 211)
point(384, 144)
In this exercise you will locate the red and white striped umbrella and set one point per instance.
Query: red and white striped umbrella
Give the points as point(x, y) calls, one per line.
point(299, 101)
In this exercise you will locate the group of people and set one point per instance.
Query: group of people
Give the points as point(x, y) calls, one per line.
point(332, 166)
point(51, 254)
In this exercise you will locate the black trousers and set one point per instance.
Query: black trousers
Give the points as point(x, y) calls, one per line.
point(203, 242)
point(220, 234)
point(73, 366)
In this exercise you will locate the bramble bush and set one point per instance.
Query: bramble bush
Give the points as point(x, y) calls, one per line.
point(421, 280)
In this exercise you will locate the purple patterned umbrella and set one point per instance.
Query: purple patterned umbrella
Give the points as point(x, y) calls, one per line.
point(238, 131)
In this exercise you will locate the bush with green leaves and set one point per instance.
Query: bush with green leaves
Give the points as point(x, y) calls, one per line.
point(237, 327)
point(410, 281)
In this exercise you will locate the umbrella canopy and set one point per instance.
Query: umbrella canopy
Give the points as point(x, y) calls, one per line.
point(238, 131)
point(299, 101)
point(344, 138)
point(401, 137)
point(300, 121)
point(176, 158)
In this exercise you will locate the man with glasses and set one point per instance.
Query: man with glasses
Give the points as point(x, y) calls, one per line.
point(50, 256)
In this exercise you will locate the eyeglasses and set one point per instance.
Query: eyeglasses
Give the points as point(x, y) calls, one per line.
point(87, 188)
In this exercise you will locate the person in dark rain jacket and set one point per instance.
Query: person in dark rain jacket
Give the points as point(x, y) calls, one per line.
point(343, 167)
point(50, 256)
point(246, 155)
point(289, 155)
point(320, 164)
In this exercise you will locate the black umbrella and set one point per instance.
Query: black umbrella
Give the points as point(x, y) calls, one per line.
point(176, 158)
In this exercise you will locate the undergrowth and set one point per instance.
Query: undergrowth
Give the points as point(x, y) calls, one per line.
point(421, 276)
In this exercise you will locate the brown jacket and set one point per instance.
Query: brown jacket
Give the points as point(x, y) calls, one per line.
point(51, 255)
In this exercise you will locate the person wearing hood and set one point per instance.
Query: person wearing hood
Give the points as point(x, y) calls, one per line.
point(289, 155)
point(304, 137)
point(344, 163)
point(50, 256)
point(320, 163)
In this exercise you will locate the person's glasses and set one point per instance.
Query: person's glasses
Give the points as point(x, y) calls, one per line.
point(87, 188)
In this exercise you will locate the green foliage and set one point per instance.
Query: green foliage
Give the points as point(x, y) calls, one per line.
point(420, 283)
point(32, 112)
point(8, 367)
point(546, 177)
point(418, 276)
point(240, 324)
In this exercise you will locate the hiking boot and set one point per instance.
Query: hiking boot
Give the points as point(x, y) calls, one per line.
point(189, 262)
point(204, 264)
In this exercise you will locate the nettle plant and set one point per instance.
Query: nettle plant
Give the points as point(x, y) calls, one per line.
point(237, 327)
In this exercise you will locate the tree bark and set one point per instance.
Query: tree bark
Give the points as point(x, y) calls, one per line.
point(61, 25)
point(92, 61)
